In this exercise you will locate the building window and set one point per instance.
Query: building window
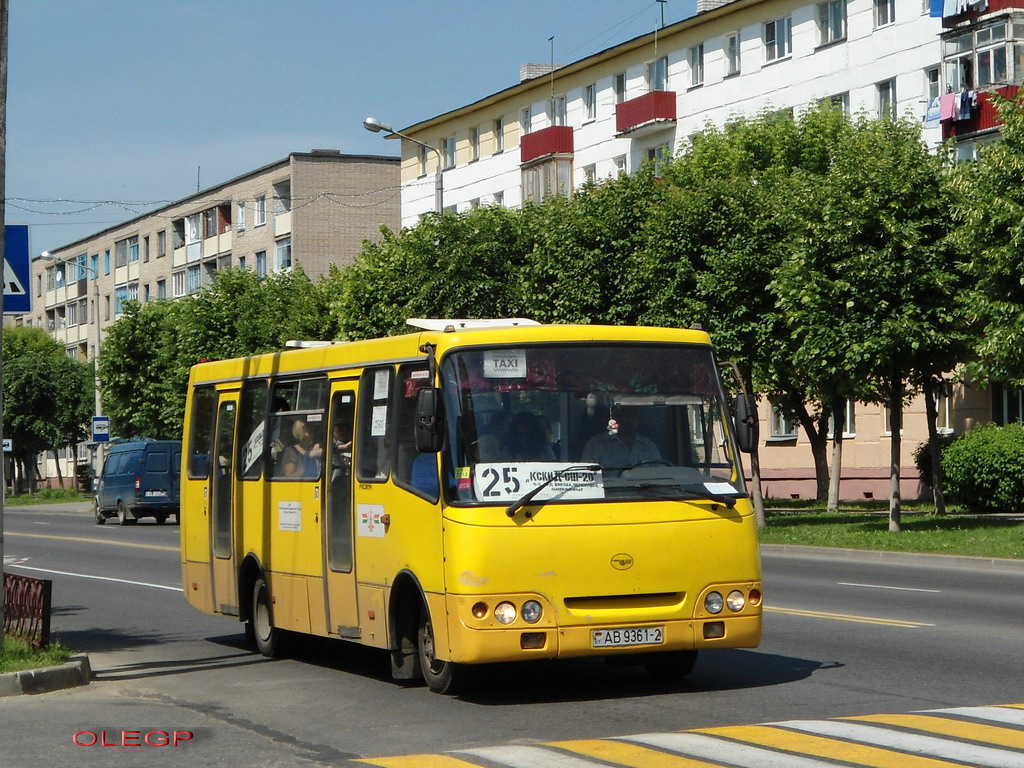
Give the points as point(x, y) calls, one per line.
point(657, 74)
point(778, 39)
point(525, 120)
point(887, 99)
point(498, 198)
point(499, 135)
point(94, 264)
point(106, 262)
point(71, 315)
point(590, 173)
point(885, 12)
point(161, 289)
point(126, 251)
point(120, 296)
point(133, 292)
point(145, 293)
point(283, 248)
point(849, 422)
point(178, 284)
point(697, 65)
point(259, 216)
point(195, 278)
point(840, 101)
point(619, 87)
point(210, 223)
point(620, 166)
point(732, 54)
point(931, 83)
point(590, 102)
point(145, 248)
point(979, 58)
point(240, 216)
point(831, 21)
point(782, 425)
point(282, 197)
point(261, 263)
point(556, 110)
point(551, 178)
point(474, 144)
point(193, 228)
point(81, 273)
point(448, 151)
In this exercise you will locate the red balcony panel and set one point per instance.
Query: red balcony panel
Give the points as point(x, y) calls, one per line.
point(556, 140)
point(651, 107)
point(983, 117)
point(949, 22)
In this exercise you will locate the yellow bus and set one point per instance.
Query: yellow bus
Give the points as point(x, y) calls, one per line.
point(475, 492)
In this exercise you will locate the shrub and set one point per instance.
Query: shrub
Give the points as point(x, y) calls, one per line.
point(923, 456)
point(985, 469)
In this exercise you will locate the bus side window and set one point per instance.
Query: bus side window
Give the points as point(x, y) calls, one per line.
point(373, 445)
point(204, 402)
point(413, 470)
point(252, 430)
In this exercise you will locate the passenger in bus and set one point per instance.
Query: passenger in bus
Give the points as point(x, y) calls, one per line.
point(621, 446)
point(529, 439)
point(301, 457)
point(341, 452)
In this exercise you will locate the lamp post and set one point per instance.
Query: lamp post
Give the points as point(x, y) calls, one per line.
point(374, 125)
point(97, 447)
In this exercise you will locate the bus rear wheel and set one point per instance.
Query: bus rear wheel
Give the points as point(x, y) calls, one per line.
point(264, 634)
point(441, 676)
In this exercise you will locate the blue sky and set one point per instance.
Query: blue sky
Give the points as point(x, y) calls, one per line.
point(117, 106)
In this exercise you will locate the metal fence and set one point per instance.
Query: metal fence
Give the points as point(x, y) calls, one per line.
point(27, 609)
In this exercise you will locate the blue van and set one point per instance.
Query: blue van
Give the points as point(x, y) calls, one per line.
point(140, 479)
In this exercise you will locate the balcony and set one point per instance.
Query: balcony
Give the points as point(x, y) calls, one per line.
point(556, 140)
point(650, 112)
point(983, 117)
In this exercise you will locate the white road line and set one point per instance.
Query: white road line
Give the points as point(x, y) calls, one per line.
point(723, 751)
point(529, 757)
point(97, 578)
point(932, 746)
point(886, 586)
point(1007, 715)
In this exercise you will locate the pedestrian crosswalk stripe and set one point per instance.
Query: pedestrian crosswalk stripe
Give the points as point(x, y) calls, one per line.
point(631, 755)
point(945, 749)
point(987, 734)
point(719, 750)
point(529, 757)
point(1007, 714)
point(419, 761)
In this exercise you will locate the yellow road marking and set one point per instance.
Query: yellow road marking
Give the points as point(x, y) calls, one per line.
point(94, 541)
point(991, 735)
point(846, 617)
point(620, 753)
point(820, 746)
point(417, 761)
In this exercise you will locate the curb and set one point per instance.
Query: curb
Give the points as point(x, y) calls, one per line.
point(921, 558)
point(75, 672)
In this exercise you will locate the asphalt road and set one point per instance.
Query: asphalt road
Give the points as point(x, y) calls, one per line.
point(844, 636)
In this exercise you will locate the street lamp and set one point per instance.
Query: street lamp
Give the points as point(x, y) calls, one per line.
point(374, 125)
point(97, 447)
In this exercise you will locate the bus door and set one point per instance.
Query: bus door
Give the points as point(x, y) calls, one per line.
point(339, 571)
point(222, 491)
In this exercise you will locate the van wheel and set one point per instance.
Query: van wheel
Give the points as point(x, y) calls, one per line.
point(441, 676)
point(161, 519)
point(100, 517)
point(266, 636)
point(123, 516)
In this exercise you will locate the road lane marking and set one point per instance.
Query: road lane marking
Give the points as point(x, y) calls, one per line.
point(944, 749)
point(97, 578)
point(887, 586)
point(989, 734)
point(846, 617)
point(829, 749)
point(87, 540)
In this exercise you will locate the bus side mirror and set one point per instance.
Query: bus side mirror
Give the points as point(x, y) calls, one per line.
point(746, 422)
point(429, 421)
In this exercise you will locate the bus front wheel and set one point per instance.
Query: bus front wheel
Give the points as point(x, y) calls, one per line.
point(441, 676)
point(264, 634)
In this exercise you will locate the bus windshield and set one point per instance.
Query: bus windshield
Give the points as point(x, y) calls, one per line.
point(588, 422)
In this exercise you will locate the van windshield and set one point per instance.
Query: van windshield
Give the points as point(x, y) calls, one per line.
point(589, 422)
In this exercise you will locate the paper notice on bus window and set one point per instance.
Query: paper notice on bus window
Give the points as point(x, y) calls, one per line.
point(370, 524)
point(380, 385)
point(506, 481)
point(505, 364)
point(379, 421)
point(289, 515)
point(253, 447)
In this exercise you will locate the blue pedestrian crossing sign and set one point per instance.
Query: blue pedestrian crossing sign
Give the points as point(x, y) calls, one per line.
point(17, 274)
point(101, 429)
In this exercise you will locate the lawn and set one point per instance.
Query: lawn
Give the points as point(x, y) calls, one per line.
point(953, 534)
point(17, 655)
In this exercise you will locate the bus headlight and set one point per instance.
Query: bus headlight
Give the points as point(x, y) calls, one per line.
point(713, 602)
point(736, 601)
point(532, 611)
point(505, 612)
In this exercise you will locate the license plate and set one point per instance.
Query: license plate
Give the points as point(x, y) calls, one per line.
point(616, 638)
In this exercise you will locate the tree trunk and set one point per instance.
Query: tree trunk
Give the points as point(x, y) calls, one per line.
point(895, 426)
point(931, 391)
point(838, 422)
point(816, 432)
point(755, 470)
point(60, 472)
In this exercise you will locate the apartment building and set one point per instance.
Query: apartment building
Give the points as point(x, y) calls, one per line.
point(604, 115)
point(311, 209)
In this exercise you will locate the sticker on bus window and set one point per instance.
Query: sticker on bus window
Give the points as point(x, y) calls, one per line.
point(379, 421)
point(289, 515)
point(253, 449)
point(464, 478)
point(507, 482)
point(505, 364)
point(380, 385)
point(370, 524)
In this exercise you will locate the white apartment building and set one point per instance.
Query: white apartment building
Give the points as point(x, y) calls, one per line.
point(606, 114)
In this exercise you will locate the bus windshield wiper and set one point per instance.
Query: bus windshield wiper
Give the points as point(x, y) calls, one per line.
point(692, 490)
point(526, 498)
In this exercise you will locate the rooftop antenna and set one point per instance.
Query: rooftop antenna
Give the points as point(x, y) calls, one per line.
point(198, 169)
point(662, 2)
point(551, 40)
